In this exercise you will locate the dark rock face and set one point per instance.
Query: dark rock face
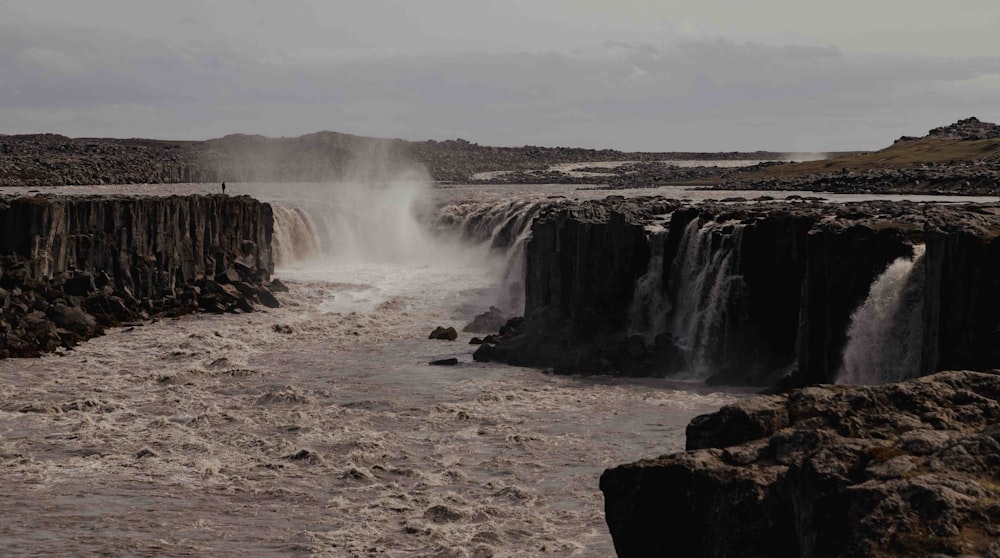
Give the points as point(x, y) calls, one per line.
point(71, 266)
point(963, 309)
point(781, 282)
point(582, 265)
point(904, 469)
point(445, 333)
point(842, 264)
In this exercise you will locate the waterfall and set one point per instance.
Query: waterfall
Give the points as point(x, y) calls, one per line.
point(394, 220)
point(503, 228)
point(650, 306)
point(885, 338)
point(708, 286)
point(295, 237)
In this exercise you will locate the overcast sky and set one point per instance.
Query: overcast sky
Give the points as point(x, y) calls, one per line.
point(628, 74)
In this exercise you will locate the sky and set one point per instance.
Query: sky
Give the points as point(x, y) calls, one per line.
point(637, 75)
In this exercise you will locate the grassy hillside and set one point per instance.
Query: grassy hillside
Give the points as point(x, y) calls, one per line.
point(907, 154)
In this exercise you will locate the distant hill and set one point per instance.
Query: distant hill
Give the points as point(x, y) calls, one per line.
point(961, 158)
point(51, 159)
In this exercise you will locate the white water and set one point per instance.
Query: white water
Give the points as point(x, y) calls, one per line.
point(708, 285)
point(650, 305)
point(295, 238)
point(885, 339)
point(318, 427)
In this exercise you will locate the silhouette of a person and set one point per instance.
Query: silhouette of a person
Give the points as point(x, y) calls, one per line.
point(223, 187)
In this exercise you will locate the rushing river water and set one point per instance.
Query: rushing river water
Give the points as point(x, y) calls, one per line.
point(319, 427)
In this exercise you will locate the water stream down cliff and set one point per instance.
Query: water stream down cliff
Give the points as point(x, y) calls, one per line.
point(747, 294)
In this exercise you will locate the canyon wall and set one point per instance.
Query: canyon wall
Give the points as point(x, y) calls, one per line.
point(746, 293)
point(71, 265)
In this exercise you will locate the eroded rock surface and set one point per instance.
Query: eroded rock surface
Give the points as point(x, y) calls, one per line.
point(72, 266)
point(907, 469)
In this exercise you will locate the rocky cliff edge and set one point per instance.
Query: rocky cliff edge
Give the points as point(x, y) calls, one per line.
point(908, 469)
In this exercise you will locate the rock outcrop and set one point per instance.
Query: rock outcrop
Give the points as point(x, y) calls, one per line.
point(582, 266)
point(905, 469)
point(968, 129)
point(71, 266)
point(744, 293)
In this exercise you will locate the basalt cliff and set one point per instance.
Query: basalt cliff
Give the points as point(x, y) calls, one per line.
point(746, 293)
point(900, 470)
point(71, 266)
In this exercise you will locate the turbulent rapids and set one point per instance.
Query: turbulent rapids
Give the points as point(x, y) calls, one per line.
point(318, 427)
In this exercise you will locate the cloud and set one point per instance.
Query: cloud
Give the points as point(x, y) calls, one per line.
point(698, 93)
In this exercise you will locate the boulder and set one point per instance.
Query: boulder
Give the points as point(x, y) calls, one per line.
point(487, 322)
point(80, 285)
point(444, 362)
point(72, 319)
point(266, 297)
point(446, 333)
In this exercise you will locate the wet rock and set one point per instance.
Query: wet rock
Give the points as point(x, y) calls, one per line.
point(444, 362)
point(487, 322)
point(304, 455)
point(266, 297)
point(276, 286)
point(443, 514)
point(445, 333)
point(73, 319)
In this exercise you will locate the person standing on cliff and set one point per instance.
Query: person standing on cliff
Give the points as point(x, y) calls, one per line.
point(223, 187)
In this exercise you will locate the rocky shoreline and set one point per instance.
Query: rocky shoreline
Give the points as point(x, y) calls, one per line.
point(71, 266)
point(904, 470)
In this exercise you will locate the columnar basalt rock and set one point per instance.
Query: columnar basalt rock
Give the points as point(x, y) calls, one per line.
point(582, 265)
point(794, 275)
point(72, 265)
point(963, 307)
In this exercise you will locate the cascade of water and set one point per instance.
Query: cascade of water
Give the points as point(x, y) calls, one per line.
point(295, 237)
point(504, 228)
point(885, 337)
point(391, 221)
point(650, 305)
point(707, 287)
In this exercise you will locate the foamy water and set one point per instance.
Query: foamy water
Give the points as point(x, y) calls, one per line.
point(224, 436)
point(319, 428)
